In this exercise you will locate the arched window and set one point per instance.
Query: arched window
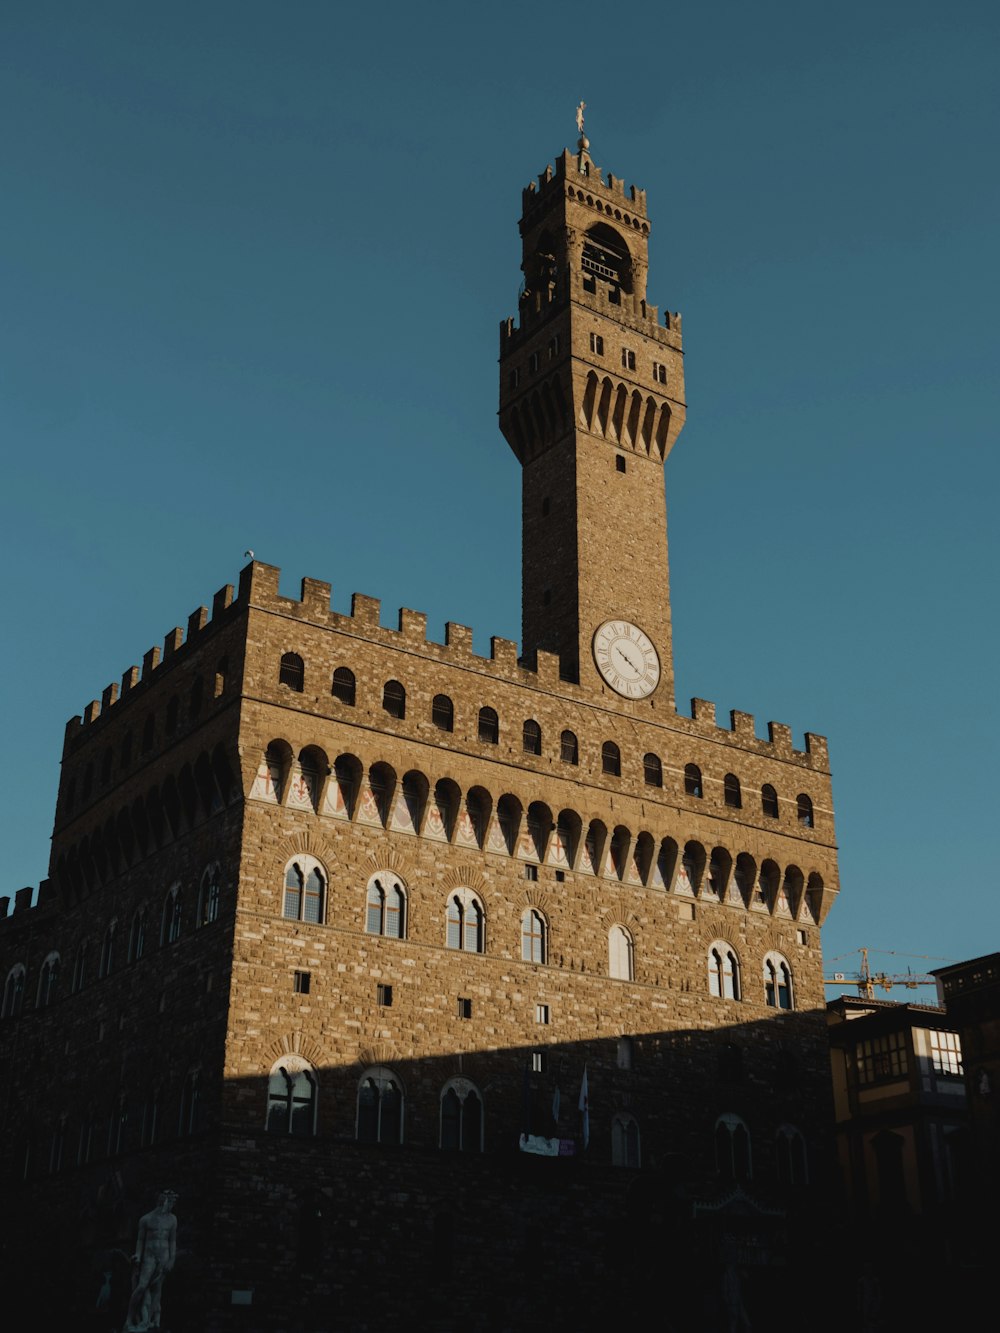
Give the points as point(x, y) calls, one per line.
point(48, 980)
point(489, 726)
point(621, 954)
point(569, 749)
point(692, 781)
point(137, 936)
point(386, 906)
point(611, 759)
point(80, 967)
point(769, 801)
point(731, 791)
point(533, 936)
point(732, 1148)
point(652, 770)
point(723, 971)
point(394, 699)
point(208, 894)
point(443, 713)
point(790, 1156)
point(532, 737)
point(344, 687)
point(292, 672)
point(173, 916)
point(305, 890)
point(291, 1097)
point(106, 964)
point(461, 1117)
point(13, 991)
point(778, 982)
point(380, 1107)
point(466, 922)
point(804, 810)
point(625, 1140)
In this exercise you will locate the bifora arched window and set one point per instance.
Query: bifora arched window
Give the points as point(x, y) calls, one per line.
point(621, 954)
point(769, 801)
point(13, 991)
point(292, 672)
point(489, 726)
point(344, 687)
point(137, 936)
point(569, 749)
point(466, 922)
point(652, 770)
point(790, 1156)
point(394, 699)
point(443, 713)
point(532, 737)
point(385, 912)
point(778, 982)
point(732, 1148)
point(804, 810)
point(291, 1097)
point(692, 781)
point(208, 894)
point(611, 759)
point(723, 971)
point(48, 981)
point(305, 890)
point(731, 791)
point(461, 1117)
point(625, 1140)
point(380, 1107)
point(173, 915)
point(533, 936)
point(80, 967)
point(106, 964)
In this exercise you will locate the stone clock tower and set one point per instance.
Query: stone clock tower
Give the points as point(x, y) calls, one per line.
point(591, 401)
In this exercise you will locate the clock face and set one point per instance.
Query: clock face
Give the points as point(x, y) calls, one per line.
point(626, 659)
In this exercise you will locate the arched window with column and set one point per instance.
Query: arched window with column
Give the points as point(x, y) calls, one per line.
point(778, 982)
point(385, 908)
point(13, 991)
point(621, 954)
point(466, 922)
point(723, 971)
point(380, 1107)
point(733, 1157)
point(461, 1117)
point(48, 981)
point(305, 890)
point(533, 936)
point(625, 1140)
point(291, 1097)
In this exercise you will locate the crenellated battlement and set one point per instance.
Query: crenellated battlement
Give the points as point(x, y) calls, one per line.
point(175, 642)
point(259, 589)
point(581, 170)
point(631, 313)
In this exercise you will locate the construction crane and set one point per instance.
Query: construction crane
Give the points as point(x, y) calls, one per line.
point(866, 980)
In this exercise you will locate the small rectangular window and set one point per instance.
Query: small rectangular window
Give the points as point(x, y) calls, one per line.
point(383, 995)
point(530, 872)
point(802, 937)
point(542, 1014)
point(534, 361)
point(597, 344)
point(515, 377)
point(301, 983)
point(628, 359)
point(560, 876)
point(539, 1062)
point(553, 346)
point(620, 463)
point(659, 372)
point(464, 1008)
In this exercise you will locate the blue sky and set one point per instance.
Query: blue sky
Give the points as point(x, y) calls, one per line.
point(254, 257)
